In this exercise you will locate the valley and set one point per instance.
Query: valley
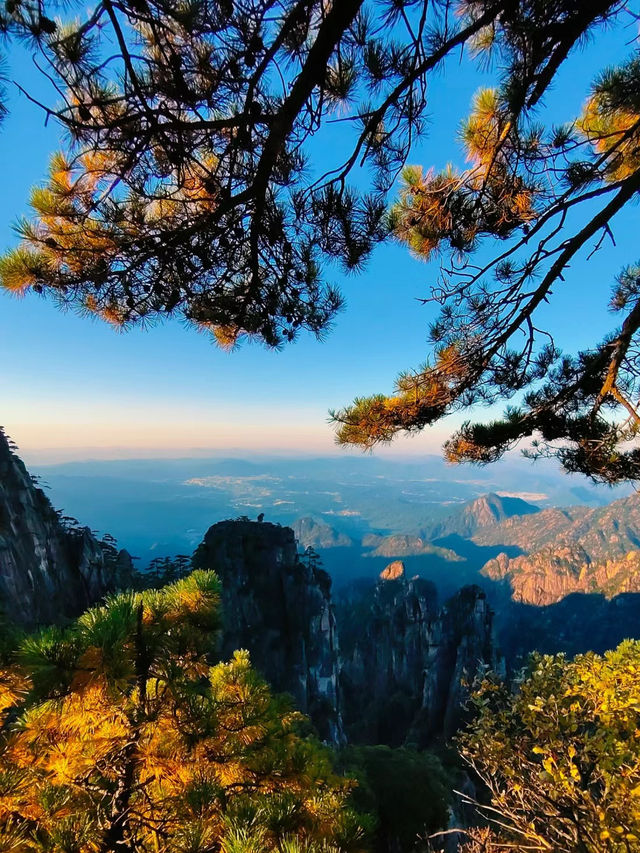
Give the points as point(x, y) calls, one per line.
point(162, 506)
point(556, 578)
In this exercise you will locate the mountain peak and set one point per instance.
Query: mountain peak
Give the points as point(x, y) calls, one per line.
point(483, 511)
point(393, 571)
point(310, 532)
point(493, 508)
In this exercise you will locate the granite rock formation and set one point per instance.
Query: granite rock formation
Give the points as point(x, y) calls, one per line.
point(549, 575)
point(604, 532)
point(563, 551)
point(279, 609)
point(48, 572)
point(393, 571)
point(402, 666)
point(407, 664)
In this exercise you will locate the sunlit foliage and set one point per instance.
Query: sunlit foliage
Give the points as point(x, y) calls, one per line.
point(118, 734)
point(561, 757)
point(524, 184)
point(186, 185)
point(190, 184)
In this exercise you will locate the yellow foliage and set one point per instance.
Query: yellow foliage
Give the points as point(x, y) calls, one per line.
point(614, 133)
point(14, 685)
point(143, 739)
point(563, 753)
point(226, 336)
point(486, 128)
point(457, 207)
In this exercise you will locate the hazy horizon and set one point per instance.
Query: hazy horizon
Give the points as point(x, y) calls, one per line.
point(163, 506)
point(32, 451)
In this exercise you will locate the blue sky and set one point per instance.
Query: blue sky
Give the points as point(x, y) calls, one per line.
point(74, 388)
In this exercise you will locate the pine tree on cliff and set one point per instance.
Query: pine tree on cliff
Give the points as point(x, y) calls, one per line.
point(311, 558)
point(119, 735)
point(184, 188)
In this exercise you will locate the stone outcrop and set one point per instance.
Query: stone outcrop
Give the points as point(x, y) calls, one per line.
point(403, 665)
point(408, 664)
point(549, 575)
point(393, 571)
point(405, 545)
point(48, 572)
point(464, 645)
point(279, 609)
point(565, 551)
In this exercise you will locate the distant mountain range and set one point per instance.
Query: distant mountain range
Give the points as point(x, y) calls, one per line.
point(486, 511)
point(541, 554)
point(485, 580)
point(500, 526)
point(162, 506)
point(611, 530)
point(579, 549)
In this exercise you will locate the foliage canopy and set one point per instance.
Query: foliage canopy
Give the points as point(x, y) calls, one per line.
point(548, 193)
point(407, 790)
point(187, 187)
point(561, 757)
point(118, 734)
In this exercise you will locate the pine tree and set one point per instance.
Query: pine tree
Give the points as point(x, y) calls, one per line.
point(311, 559)
point(119, 734)
point(523, 182)
point(186, 188)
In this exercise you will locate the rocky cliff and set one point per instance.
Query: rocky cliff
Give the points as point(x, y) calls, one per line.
point(571, 550)
point(549, 575)
point(279, 608)
point(48, 572)
point(402, 665)
point(604, 532)
point(407, 663)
